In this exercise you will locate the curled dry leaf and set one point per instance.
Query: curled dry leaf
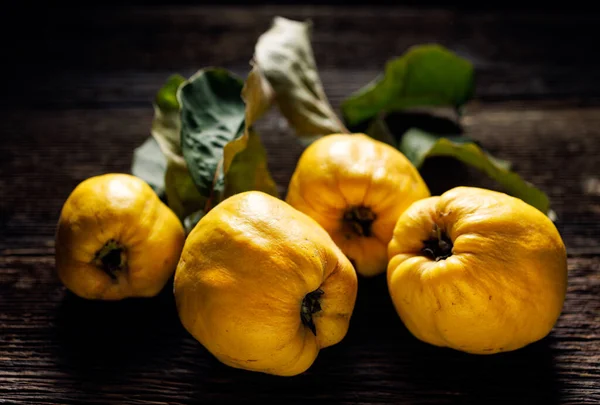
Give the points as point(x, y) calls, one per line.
point(284, 56)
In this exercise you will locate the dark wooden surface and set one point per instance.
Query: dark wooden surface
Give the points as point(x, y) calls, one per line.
point(78, 100)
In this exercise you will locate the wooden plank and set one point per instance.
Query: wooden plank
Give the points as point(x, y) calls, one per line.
point(56, 348)
point(155, 38)
point(48, 152)
point(125, 89)
point(67, 51)
point(79, 102)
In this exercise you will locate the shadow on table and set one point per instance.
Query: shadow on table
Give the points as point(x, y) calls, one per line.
point(139, 348)
point(380, 361)
point(105, 337)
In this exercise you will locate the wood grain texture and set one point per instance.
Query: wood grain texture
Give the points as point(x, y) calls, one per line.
point(523, 54)
point(88, 105)
point(57, 348)
point(52, 150)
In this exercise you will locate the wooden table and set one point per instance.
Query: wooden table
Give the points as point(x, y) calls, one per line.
point(78, 102)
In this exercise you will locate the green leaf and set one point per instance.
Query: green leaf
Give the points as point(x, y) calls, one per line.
point(166, 97)
point(182, 195)
point(224, 157)
point(212, 115)
point(245, 158)
point(150, 164)
point(215, 137)
point(284, 55)
point(248, 170)
point(379, 130)
point(418, 145)
point(425, 75)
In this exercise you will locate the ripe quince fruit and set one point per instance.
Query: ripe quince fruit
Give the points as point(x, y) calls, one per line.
point(356, 187)
point(477, 270)
point(262, 286)
point(116, 239)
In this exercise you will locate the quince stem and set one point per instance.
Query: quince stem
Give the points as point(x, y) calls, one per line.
point(359, 220)
point(310, 306)
point(439, 247)
point(111, 258)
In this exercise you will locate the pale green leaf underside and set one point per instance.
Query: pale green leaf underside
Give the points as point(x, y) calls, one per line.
point(149, 164)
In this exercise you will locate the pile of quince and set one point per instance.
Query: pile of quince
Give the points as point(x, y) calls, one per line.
point(264, 284)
